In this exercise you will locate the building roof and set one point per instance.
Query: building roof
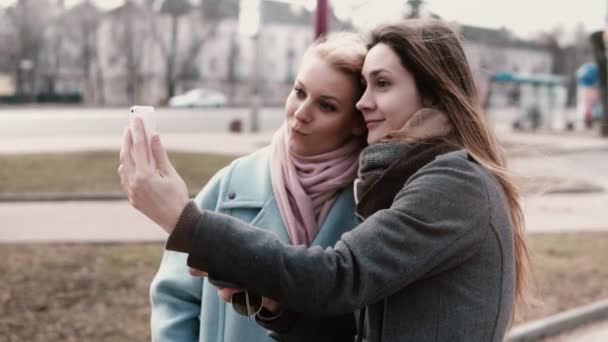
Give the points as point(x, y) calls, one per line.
point(494, 37)
point(274, 12)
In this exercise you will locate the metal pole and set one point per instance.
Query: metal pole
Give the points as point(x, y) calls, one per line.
point(604, 90)
point(251, 17)
point(322, 18)
point(255, 90)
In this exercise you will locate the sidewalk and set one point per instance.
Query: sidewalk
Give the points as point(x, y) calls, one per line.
point(593, 332)
point(219, 143)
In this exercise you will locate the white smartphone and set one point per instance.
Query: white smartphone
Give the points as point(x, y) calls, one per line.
point(146, 113)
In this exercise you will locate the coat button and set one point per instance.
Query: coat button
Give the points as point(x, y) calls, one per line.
point(231, 195)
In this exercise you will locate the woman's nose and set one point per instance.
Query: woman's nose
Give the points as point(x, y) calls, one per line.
point(364, 104)
point(302, 113)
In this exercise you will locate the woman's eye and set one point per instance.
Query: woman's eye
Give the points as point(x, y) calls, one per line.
point(327, 107)
point(299, 92)
point(382, 83)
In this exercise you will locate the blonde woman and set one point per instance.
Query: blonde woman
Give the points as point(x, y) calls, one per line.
point(299, 188)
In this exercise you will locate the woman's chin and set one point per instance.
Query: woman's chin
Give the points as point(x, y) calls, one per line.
point(299, 148)
point(373, 139)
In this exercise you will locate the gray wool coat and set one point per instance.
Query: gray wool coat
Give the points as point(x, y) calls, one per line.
point(438, 265)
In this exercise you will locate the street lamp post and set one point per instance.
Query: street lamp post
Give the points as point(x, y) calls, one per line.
point(604, 90)
point(415, 6)
point(250, 24)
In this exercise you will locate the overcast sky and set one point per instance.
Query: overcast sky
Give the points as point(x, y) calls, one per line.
point(524, 17)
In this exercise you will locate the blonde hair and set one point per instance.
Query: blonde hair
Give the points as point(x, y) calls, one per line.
point(432, 52)
point(344, 51)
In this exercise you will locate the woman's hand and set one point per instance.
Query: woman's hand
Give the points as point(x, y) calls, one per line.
point(160, 194)
point(269, 304)
point(226, 293)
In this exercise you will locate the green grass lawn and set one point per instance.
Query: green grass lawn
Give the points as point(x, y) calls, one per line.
point(92, 171)
point(99, 292)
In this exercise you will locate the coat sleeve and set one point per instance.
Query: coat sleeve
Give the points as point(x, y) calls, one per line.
point(437, 221)
point(175, 295)
point(295, 327)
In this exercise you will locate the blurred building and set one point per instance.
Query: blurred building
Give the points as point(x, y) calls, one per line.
point(67, 65)
point(492, 51)
point(210, 52)
point(6, 84)
point(122, 56)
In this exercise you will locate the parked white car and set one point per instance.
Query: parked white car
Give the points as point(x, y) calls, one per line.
point(199, 97)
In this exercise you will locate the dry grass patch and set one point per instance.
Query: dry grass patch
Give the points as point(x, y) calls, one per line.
point(568, 270)
point(76, 292)
point(99, 292)
point(92, 171)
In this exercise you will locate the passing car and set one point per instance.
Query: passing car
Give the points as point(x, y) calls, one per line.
point(199, 97)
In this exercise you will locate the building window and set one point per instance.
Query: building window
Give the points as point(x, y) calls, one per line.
point(212, 66)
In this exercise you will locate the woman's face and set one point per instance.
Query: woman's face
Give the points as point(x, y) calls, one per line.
point(391, 96)
point(320, 109)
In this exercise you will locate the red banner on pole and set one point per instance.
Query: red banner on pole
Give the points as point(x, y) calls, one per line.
point(322, 18)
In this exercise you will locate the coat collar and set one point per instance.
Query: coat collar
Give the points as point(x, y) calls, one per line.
point(377, 190)
point(249, 186)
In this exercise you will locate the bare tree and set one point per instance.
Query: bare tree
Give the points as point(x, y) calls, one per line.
point(129, 37)
point(53, 51)
point(84, 24)
point(175, 9)
point(181, 59)
point(567, 54)
point(233, 61)
point(27, 20)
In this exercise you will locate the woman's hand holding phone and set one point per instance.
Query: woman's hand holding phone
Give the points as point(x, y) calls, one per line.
point(155, 189)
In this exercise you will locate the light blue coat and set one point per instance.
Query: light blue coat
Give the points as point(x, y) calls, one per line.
point(186, 308)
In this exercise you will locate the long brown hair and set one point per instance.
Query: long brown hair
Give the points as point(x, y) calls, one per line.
point(432, 52)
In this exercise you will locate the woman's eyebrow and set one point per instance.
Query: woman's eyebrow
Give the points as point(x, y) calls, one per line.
point(327, 97)
point(375, 72)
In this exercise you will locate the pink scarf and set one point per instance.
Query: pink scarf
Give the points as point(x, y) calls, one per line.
point(306, 187)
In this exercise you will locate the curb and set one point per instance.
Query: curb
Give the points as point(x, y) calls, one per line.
point(119, 196)
point(65, 196)
point(559, 323)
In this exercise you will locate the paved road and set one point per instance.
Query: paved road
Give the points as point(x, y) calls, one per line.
point(50, 122)
point(594, 332)
point(107, 221)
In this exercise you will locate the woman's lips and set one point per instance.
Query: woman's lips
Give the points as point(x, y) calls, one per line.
point(298, 131)
point(369, 123)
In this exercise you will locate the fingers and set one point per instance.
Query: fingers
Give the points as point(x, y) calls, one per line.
point(125, 150)
point(140, 148)
point(161, 156)
point(226, 293)
point(127, 165)
point(271, 305)
point(196, 273)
